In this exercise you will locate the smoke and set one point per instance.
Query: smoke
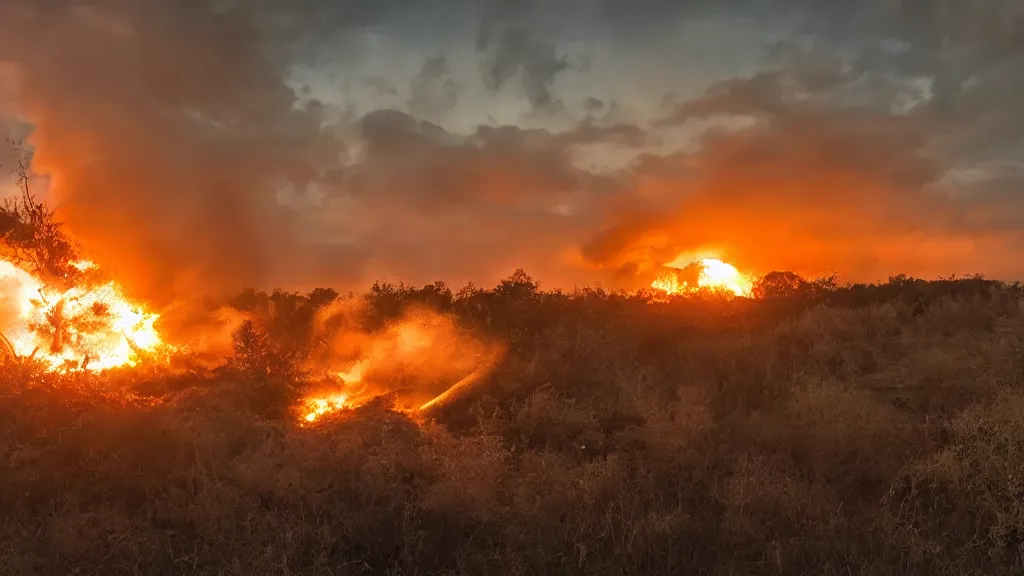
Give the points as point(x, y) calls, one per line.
point(820, 180)
point(194, 146)
point(418, 356)
point(204, 329)
point(168, 135)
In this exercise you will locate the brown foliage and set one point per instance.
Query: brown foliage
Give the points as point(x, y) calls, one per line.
point(876, 434)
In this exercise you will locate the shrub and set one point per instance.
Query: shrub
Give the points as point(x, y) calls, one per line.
point(856, 430)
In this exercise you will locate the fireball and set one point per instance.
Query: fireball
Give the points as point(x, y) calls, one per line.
point(714, 274)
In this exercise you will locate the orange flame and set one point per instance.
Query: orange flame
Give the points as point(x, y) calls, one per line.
point(82, 328)
point(714, 274)
point(317, 407)
point(354, 392)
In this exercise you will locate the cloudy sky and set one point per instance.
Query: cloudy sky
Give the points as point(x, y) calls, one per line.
point(220, 143)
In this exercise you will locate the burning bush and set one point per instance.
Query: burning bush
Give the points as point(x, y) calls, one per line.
point(57, 307)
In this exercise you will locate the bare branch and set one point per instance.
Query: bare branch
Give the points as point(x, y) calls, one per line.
point(30, 235)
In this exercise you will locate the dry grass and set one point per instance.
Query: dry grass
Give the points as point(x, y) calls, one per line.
point(611, 440)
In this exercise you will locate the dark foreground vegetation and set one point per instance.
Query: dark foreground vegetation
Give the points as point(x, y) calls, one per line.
point(814, 430)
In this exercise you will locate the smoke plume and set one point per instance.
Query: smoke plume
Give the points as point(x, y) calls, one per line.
point(197, 146)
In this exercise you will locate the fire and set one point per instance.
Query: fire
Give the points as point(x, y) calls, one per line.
point(80, 328)
point(355, 392)
point(714, 274)
point(353, 374)
point(669, 284)
point(417, 362)
point(718, 274)
point(317, 407)
point(83, 265)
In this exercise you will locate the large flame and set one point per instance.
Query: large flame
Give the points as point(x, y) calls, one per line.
point(714, 274)
point(91, 327)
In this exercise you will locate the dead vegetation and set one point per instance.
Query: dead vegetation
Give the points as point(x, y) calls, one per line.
point(818, 430)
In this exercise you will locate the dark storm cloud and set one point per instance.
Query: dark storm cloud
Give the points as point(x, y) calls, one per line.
point(512, 51)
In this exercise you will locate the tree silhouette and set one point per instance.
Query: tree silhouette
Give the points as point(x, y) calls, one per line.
point(779, 284)
point(519, 285)
point(30, 235)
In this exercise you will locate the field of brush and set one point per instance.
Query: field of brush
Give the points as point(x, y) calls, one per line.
point(856, 430)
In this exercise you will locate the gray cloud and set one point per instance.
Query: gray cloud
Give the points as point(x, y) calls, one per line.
point(512, 51)
point(433, 91)
point(485, 203)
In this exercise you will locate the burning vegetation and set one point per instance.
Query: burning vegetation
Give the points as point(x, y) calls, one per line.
point(58, 308)
point(421, 358)
point(713, 423)
point(89, 326)
point(710, 274)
